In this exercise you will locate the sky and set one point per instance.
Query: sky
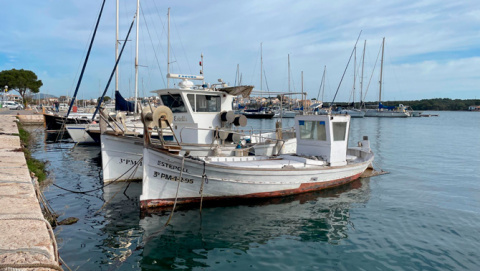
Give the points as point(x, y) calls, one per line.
point(432, 47)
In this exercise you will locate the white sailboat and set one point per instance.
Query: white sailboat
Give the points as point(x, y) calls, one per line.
point(386, 111)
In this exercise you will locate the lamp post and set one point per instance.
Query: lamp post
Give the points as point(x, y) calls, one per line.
point(5, 92)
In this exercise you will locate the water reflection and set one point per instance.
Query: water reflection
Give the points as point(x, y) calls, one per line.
point(322, 216)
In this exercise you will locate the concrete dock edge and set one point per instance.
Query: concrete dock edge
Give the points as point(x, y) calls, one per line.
point(26, 238)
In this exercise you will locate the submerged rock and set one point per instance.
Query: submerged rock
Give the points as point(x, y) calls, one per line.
point(68, 221)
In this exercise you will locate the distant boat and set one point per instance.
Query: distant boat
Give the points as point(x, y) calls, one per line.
point(260, 113)
point(354, 113)
point(386, 111)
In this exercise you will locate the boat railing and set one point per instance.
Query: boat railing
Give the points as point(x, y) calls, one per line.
point(261, 137)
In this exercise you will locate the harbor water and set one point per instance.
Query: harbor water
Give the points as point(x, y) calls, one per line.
point(424, 215)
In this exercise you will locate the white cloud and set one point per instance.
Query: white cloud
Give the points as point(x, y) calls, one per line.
point(431, 46)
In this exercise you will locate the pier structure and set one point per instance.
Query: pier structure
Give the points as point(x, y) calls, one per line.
point(26, 238)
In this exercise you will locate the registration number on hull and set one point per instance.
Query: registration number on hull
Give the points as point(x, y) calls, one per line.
point(169, 177)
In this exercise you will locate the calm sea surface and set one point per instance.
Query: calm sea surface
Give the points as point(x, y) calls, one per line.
point(424, 215)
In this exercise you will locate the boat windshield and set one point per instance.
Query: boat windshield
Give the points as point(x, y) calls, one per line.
point(339, 131)
point(314, 130)
point(174, 102)
point(204, 103)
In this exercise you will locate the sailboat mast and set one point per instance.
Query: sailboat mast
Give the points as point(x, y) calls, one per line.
point(323, 82)
point(116, 52)
point(354, 74)
point(136, 56)
point(381, 73)
point(168, 50)
point(361, 79)
point(303, 100)
point(261, 70)
point(288, 72)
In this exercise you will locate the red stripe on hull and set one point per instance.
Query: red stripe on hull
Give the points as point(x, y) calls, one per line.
point(304, 188)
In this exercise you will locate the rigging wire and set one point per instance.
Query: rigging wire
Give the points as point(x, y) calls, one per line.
point(340, 83)
point(370, 80)
point(154, 51)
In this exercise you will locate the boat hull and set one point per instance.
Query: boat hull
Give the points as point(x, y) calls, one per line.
point(162, 173)
point(121, 158)
point(386, 114)
point(55, 122)
point(259, 115)
point(78, 133)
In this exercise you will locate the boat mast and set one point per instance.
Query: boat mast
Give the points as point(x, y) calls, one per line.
point(116, 52)
point(354, 74)
point(288, 72)
point(303, 100)
point(168, 50)
point(261, 70)
point(289, 104)
point(237, 75)
point(136, 57)
point(85, 62)
point(361, 81)
point(322, 84)
point(381, 73)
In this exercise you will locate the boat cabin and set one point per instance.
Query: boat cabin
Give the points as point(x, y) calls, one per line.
point(324, 136)
point(196, 108)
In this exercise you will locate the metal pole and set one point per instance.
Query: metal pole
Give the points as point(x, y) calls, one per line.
point(136, 57)
point(381, 73)
point(168, 50)
point(116, 53)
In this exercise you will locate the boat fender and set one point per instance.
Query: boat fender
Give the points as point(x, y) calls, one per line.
point(240, 120)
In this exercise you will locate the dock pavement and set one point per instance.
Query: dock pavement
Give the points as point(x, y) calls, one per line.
point(26, 238)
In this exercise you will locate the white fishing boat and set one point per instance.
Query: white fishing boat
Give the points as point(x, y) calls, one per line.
point(322, 160)
point(202, 120)
point(203, 123)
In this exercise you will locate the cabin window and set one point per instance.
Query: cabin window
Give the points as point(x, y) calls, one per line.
point(314, 130)
point(191, 100)
point(339, 131)
point(207, 103)
point(174, 102)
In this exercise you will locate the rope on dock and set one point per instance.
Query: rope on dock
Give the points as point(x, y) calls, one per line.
point(16, 266)
point(40, 251)
point(49, 227)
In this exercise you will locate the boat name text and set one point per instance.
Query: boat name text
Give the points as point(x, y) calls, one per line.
point(179, 118)
point(167, 165)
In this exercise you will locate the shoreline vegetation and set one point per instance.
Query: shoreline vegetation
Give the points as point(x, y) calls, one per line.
point(437, 104)
point(34, 165)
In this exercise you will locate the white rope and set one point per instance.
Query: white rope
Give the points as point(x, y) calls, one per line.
point(49, 227)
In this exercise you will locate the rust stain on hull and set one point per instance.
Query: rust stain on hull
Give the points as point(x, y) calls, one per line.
point(304, 188)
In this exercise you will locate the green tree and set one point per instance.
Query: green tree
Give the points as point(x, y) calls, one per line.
point(21, 81)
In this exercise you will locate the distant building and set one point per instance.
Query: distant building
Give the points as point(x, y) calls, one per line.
point(474, 108)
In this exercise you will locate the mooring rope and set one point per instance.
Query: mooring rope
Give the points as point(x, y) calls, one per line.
point(176, 195)
point(105, 185)
point(16, 266)
point(204, 181)
point(49, 227)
